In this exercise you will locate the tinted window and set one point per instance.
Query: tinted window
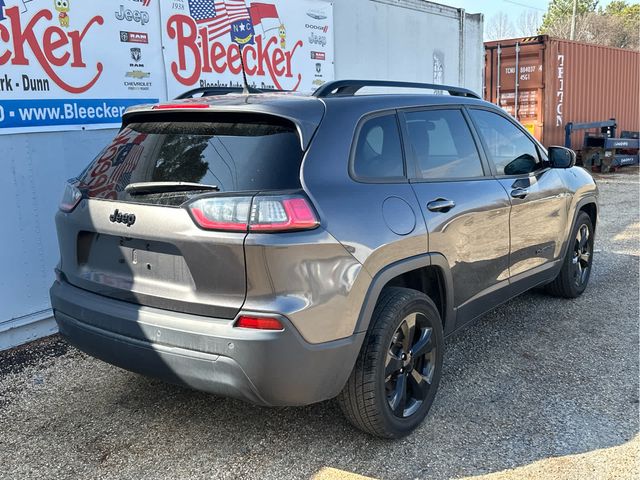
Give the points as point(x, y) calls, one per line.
point(378, 152)
point(512, 152)
point(245, 154)
point(443, 145)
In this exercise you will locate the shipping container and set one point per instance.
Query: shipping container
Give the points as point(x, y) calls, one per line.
point(560, 81)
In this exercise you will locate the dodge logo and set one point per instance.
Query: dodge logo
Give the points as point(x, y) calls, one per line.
point(127, 219)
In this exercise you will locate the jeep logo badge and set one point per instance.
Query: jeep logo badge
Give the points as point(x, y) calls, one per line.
point(127, 219)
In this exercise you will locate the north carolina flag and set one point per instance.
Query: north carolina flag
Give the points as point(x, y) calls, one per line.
point(264, 16)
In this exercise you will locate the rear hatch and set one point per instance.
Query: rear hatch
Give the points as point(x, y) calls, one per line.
point(132, 238)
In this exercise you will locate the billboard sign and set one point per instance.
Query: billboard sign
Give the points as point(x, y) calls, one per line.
point(284, 45)
point(71, 64)
point(67, 64)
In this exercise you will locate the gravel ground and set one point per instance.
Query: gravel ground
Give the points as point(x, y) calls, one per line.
point(540, 388)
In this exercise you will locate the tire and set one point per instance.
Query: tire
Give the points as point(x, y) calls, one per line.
point(574, 276)
point(369, 397)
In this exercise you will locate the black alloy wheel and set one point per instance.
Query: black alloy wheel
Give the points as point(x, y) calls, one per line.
point(410, 366)
point(582, 255)
point(396, 376)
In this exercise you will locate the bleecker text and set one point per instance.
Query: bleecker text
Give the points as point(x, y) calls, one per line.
point(197, 55)
point(48, 48)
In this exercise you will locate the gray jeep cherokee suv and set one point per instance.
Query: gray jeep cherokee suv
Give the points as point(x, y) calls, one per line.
point(288, 249)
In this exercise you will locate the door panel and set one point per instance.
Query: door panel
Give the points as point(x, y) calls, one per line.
point(473, 235)
point(537, 194)
point(538, 220)
point(466, 212)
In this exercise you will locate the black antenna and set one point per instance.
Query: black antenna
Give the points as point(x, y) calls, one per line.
point(246, 90)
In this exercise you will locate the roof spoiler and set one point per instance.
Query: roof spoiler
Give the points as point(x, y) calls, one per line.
point(347, 88)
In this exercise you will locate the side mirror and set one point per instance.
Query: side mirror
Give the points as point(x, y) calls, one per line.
point(561, 157)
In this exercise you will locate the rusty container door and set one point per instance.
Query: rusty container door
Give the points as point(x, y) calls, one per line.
point(589, 83)
point(514, 80)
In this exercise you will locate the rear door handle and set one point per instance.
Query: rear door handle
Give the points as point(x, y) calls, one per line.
point(520, 193)
point(441, 205)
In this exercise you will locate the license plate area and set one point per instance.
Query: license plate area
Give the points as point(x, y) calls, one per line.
point(130, 260)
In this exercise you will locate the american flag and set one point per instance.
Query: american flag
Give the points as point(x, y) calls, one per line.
point(124, 165)
point(217, 16)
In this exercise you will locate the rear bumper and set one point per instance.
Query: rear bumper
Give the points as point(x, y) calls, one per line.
point(265, 368)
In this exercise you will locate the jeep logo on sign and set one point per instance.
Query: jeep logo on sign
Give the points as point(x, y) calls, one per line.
point(132, 15)
point(127, 219)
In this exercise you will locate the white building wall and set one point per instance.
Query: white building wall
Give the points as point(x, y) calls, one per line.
point(33, 171)
point(404, 39)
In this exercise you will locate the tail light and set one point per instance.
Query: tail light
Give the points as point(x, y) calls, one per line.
point(259, 323)
point(265, 214)
point(70, 199)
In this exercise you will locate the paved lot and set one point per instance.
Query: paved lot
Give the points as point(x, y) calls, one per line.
point(540, 388)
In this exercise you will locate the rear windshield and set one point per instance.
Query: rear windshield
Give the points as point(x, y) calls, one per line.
point(234, 154)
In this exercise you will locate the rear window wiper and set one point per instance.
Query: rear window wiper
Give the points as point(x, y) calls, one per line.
point(148, 188)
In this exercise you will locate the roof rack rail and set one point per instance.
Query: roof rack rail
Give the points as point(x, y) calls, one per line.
point(211, 91)
point(346, 88)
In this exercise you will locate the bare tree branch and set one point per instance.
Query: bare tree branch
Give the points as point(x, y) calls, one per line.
point(529, 23)
point(499, 27)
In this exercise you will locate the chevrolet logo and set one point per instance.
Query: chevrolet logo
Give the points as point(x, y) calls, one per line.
point(138, 74)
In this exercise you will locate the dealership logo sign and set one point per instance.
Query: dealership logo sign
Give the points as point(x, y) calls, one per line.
point(317, 14)
point(51, 46)
point(134, 37)
point(322, 28)
point(317, 39)
point(138, 74)
point(136, 16)
point(136, 54)
point(198, 54)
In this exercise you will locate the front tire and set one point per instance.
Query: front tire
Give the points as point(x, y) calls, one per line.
point(396, 376)
point(573, 279)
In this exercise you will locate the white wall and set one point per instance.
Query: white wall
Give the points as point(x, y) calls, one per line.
point(33, 170)
point(397, 40)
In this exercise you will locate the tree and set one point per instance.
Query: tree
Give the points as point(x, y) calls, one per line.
point(499, 27)
point(529, 23)
point(617, 25)
point(624, 22)
point(559, 10)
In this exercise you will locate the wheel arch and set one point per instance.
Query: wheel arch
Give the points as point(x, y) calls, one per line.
point(418, 273)
point(589, 205)
point(591, 209)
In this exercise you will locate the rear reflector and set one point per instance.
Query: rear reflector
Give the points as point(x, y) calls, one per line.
point(264, 214)
point(259, 323)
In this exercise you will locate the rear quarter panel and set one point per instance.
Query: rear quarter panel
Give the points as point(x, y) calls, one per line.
point(352, 212)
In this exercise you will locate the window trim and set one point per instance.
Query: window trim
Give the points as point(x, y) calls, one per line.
point(354, 147)
point(494, 170)
point(416, 176)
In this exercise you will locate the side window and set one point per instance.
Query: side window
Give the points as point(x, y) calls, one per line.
point(511, 151)
point(443, 145)
point(378, 152)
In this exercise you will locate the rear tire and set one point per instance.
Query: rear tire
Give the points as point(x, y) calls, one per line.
point(396, 376)
point(573, 279)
